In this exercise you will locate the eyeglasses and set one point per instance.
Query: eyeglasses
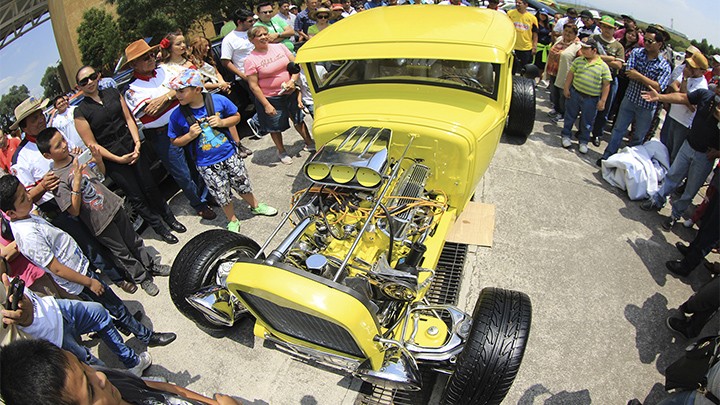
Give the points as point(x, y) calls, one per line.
point(322, 17)
point(250, 21)
point(84, 81)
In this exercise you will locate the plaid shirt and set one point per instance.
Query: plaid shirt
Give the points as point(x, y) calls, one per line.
point(657, 69)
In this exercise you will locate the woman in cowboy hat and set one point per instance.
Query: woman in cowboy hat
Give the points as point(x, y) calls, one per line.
point(322, 15)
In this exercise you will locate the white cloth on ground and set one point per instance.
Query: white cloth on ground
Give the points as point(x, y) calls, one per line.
point(639, 169)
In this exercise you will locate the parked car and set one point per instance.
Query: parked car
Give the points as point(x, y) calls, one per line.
point(409, 110)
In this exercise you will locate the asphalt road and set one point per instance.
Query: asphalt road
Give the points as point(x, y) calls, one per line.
point(591, 261)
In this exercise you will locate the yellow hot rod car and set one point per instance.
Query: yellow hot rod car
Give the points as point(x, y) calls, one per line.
point(410, 104)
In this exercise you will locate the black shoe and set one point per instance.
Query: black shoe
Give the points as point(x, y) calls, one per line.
point(596, 140)
point(598, 162)
point(212, 202)
point(175, 225)
point(162, 270)
point(161, 339)
point(167, 236)
point(649, 205)
point(669, 223)
point(678, 326)
point(676, 267)
point(682, 248)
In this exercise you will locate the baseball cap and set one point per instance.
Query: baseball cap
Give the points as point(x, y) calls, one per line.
point(716, 58)
point(589, 42)
point(607, 20)
point(187, 78)
point(586, 13)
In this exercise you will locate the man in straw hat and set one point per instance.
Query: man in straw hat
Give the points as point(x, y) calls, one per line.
point(33, 171)
point(152, 103)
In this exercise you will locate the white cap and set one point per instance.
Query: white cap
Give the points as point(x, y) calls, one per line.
point(595, 14)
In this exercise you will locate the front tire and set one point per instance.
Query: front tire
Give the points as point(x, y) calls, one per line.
point(197, 264)
point(521, 117)
point(487, 366)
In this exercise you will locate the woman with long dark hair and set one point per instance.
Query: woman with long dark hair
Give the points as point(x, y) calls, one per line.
point(102, 118)
point(545, 30)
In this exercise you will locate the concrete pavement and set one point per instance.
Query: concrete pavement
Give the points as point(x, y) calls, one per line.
point(591, 261)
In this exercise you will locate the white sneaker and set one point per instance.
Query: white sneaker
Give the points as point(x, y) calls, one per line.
point(552, 113)
point(688, 223)
point(566, 143)
point(583, 148)
point(558, 118)
point(144, 361)
point(285, 159)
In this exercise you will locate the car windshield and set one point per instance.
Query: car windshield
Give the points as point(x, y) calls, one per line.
point(478, 77)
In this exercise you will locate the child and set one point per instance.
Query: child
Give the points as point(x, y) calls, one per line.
point(59, 255)
point(215, 155)
point(590, 78)
point(82, 193)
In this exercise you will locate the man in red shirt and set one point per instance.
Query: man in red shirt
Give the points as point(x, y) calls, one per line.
point(8, 145)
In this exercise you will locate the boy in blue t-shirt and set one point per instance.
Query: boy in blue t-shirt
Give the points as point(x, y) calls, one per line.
point(216, 157)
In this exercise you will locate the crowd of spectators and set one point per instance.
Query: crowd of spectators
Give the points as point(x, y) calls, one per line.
point(61, 225)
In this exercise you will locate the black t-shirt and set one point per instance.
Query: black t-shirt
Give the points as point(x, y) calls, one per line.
point(135, 391)
point(107, 121)
point(704, 132)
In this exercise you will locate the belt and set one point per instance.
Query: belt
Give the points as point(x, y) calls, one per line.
point(583, 95)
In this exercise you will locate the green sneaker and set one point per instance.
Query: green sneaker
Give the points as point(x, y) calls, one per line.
point(264, 209)
point(234, 226)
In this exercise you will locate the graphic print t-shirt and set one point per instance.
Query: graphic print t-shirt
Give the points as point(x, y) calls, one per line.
point(99, 205)
point(213, 144)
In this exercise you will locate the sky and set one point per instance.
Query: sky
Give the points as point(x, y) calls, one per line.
point(25, 60)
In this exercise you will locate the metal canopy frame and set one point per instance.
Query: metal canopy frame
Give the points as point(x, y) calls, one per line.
point(17, 17)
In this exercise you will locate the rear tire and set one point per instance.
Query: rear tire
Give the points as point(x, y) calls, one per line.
point(196, 266)
point(487, 366)
point(521, 117)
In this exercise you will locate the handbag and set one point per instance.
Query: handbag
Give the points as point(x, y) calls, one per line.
point(689, 372)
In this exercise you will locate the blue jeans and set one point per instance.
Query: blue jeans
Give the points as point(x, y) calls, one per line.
point(117, 309)
point(628, 113)
point(680, 398)
point(672, 135)
point(173, 158)
point(601, 117)
point(573, 106)
point(81, 317)
point(688, 163)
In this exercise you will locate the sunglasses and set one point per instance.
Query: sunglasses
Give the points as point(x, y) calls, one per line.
point(84, 81)
point(323, 17)
point(266, 12)
point(650, 41)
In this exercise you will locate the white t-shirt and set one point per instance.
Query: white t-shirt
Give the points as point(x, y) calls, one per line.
point(681, 113)
point(66, 124)
point(236, 47)
point(40, 242)
point(560, 24)
point(140, 91)
point(30, 167)
point(47, 319)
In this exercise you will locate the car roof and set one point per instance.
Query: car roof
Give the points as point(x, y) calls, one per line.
point(415, 31)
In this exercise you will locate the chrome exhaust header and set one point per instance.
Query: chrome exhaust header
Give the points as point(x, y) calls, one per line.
point(217, 304)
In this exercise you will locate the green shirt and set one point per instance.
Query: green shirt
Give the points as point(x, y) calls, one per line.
point(589, 76)
point(277, 26)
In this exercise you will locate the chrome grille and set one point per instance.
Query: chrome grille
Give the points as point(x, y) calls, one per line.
point(303, 326)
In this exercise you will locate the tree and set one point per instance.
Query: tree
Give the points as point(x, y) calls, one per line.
point(153, 19)
point(51, 82)
point(99, 39)
point(8, 102)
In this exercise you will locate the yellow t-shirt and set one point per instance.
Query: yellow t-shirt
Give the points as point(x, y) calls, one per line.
point(524, 24)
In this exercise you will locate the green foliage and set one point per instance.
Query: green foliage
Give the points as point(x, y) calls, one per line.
point(50, 82)
point(99, 39)
point(153, 19)
point(707, 49)
point(8, 102)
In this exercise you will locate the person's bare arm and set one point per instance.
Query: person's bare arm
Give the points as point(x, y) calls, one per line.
point(227, 63)
point(132, 126)
point(255, 88)
point(603, 96)
point(186, 393)
point(185, 139)
point(568, 83)
point(86, 134)
point(633, 74)
point(75, 189)
point(673, 98)
point(9, 251)
point(288, 32)
point(69, 274)
point(158, 104)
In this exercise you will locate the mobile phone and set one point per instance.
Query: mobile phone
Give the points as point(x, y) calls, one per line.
point(17, 288)
point(84, 157)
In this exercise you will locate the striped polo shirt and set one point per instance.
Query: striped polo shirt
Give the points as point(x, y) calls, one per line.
point(588, 76)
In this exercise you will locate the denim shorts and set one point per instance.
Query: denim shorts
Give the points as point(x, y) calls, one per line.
point(287, 109)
